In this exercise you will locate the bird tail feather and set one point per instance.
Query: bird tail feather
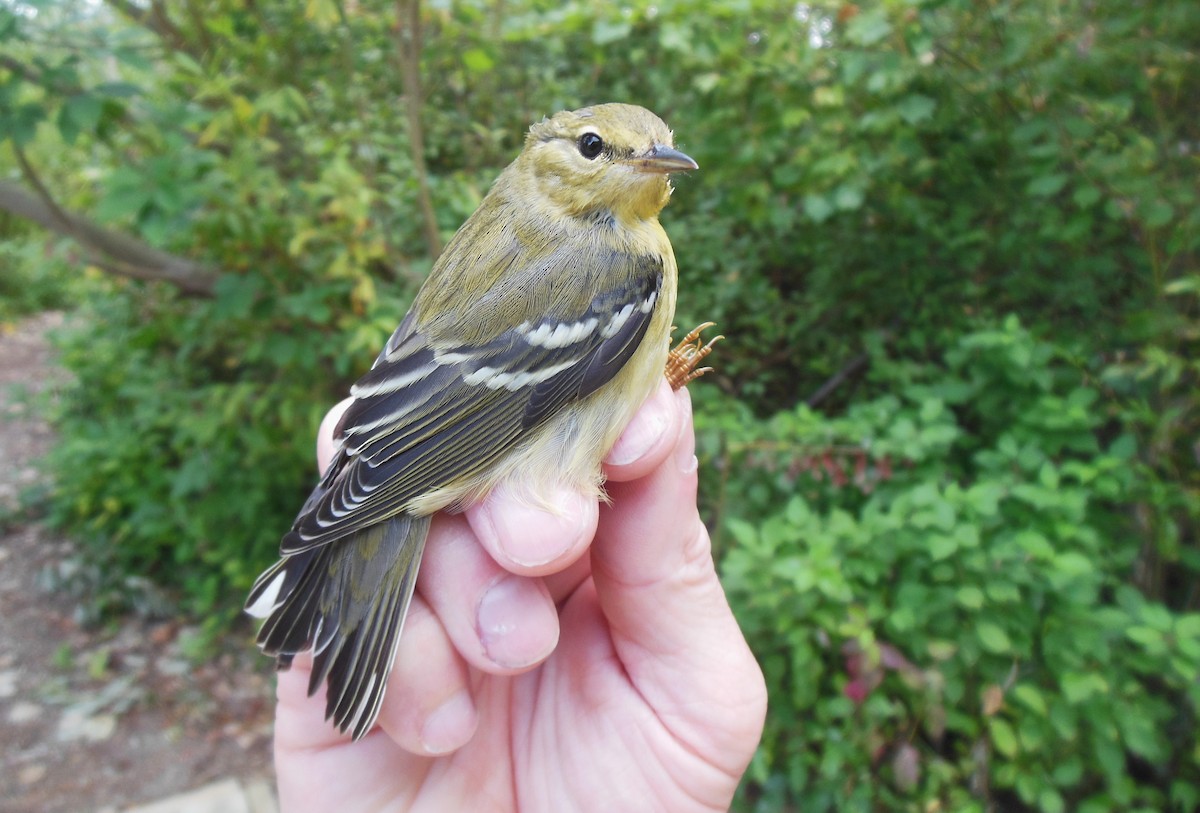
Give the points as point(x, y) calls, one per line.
point(346, 601)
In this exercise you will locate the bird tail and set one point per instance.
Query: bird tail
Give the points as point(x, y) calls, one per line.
point(346, 601)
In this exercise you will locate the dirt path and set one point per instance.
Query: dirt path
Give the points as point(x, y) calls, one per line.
point(98, 719)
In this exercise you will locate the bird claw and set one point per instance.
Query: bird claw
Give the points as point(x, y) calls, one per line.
point(683, 358)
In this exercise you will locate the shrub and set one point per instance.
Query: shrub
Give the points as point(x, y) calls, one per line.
point(938, 585)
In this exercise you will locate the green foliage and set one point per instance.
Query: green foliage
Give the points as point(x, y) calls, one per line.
point(971, 578)
point(1156, 389)
point(955, 621)
point(182, 504)
point(35, 276)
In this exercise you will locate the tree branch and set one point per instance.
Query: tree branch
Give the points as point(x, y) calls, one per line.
point(408, 49)
point(20, 69)
point(850, 368)
point(108, 250)
point(155, 19)
point(31, 177)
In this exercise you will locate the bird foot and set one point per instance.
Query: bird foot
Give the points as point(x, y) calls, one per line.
point(682, 360)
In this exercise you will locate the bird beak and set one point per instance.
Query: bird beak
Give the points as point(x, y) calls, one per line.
point(663, 159)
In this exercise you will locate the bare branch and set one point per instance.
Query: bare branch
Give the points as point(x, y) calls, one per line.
point(155, 19)
point(31, 177)
point(851, 368)
point(20, 69)
point(408, 49)
point(109, 250)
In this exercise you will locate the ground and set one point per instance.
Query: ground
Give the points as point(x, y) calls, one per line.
point(95, 719)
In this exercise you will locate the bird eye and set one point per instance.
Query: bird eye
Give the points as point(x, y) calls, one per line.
point(590, 145)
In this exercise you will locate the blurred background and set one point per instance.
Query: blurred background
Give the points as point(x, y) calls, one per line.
point(951, 452)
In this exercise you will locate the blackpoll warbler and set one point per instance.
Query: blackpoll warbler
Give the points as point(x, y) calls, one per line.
point(543, 326)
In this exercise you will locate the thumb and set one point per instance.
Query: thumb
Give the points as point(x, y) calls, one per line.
point(326, 444)
point(670, 622)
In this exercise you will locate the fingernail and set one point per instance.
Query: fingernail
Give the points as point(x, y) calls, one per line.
point(685, 447)
point(450, 725)
point(535, 535)
point(512, 620)
point(642, 434)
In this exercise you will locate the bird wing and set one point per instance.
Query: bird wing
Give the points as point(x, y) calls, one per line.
point(430, 412)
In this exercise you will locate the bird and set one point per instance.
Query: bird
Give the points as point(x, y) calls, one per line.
point(540, 330)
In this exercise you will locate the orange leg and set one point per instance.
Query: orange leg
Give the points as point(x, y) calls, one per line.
point(682, 361)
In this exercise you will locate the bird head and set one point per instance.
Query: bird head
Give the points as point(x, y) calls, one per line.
point(612, 158)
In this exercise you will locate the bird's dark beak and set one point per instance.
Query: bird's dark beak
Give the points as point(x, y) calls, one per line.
point(663, 159)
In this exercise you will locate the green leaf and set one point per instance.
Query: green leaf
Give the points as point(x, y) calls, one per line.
point(993, 638)
point(942, 546)
point(1110, 757)
point(117, 90)
point(323, 13)
point(869, 27)
point(706, 82)
point(79, 114)
point(970, 597)
point(1141, 736)
point(1184, 285)
point(1188, 626)
point(744, 532)
point(1185, 795)
point(236, 295)
point(478, 60)
point(1073, 564)
point(1146, 636)
point(8, 24)
point(1159, 214)
point(1078, 687)
point(1086, 196)
point(1067, 773)
point(126, 194)
point(605, 32)
point(1002, 592)
point(818, 208)
point(829, 96)
point(1032, 542)
point(1045, 186)
point(1031, 697)
point(20, 123)
point(675, 37)
point(187, 64)
point(1003, 737)
point(1050, 801)
point(847, 198)
point(1124, 447)
point(915, 108)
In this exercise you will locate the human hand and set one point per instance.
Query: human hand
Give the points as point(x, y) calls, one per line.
point(574, 659)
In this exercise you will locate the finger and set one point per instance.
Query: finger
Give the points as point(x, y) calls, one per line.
point(671, 624)
point(547, 537)
point(648, 438)
point(646, 441)
point(565, 582)
point(428, 708)
point(499, 622)
point(528, 540)
point(534, 539)
point(299, 719)
point(319, 768)
point(325, 442)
